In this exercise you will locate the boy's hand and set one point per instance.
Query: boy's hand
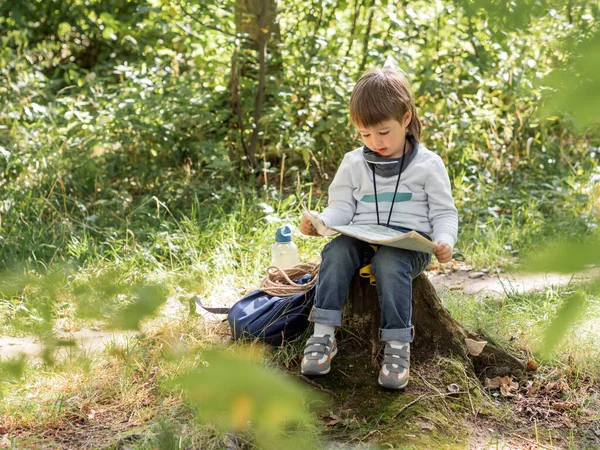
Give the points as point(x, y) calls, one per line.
point(443, 251)
point(306, 227)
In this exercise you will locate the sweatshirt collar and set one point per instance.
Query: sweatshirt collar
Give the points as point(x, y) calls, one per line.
point(388, 167)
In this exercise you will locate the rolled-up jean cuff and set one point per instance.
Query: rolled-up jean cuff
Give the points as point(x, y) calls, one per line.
point(326, 316)
point(398, 334)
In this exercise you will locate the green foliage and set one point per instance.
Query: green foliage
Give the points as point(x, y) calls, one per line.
point(576, 86)
point(508, 16)
point(12, 368)
point(565, 257)
point(572, 308)
point(238, 395)
point(122, 155)
point(146, 301)
point(99, 136)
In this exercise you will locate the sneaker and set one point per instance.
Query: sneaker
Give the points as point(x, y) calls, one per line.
point(395, 371)
point(317, 355)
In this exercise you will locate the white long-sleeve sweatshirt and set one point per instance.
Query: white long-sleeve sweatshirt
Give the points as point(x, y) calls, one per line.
point(423, 202)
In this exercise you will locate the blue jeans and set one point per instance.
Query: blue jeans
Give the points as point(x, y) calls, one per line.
point(394, 270)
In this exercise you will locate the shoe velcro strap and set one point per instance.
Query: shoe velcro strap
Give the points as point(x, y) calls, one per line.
point(323, 340)
point(317, 348)
point(401, 352)
point(313, 357)
point(401, 363)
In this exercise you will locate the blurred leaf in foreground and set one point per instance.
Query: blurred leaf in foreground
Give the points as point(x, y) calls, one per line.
point(146, 301)
point(100, 296)
point(505, 16)
point(13, 367)
point(565, 257)
point(572, 308)
point(576, 86)
point(237, 394)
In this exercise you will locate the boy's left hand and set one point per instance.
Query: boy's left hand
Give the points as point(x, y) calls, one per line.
point(443, 251)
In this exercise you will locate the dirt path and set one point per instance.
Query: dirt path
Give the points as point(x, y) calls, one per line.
point(458, 277)
point(489, 283)
point(86, 340)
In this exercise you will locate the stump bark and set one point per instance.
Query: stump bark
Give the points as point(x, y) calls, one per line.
point(436, 331)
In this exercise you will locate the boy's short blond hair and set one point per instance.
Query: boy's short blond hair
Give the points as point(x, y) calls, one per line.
point(383, 94)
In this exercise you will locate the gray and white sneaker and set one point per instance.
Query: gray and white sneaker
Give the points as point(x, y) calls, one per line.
point(395, 371)
point(318, 353)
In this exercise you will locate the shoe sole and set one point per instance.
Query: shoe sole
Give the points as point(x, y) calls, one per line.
point(325, 372)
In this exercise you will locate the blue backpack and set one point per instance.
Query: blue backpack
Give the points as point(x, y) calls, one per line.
point(269, 318)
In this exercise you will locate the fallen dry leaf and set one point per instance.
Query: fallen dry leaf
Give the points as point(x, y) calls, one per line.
point(505, 390)
point(492, 383)
point(564, 406)
point(495, 383)
point(474, 348)
point(5, 442)
point(532, 387)
point(333, 422)
point(557, 387)
point(505, 384)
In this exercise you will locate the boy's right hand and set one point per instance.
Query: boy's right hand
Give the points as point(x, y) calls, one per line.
point(306, 227)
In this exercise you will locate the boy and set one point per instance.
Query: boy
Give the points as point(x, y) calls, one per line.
point(393, 181)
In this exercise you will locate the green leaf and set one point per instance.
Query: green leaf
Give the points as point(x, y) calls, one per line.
point(565, 257)
point(575, 87)
point(572, 308)
point(236, 393)
point(63, 29)
point(147, 301)
point(505, 15)
point(13, 367)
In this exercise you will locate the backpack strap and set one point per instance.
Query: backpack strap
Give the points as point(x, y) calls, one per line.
point(196, 300)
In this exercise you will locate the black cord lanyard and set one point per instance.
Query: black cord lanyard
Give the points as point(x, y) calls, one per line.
point(395, 190)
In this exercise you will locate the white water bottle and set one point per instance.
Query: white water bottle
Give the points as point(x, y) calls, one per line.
point(284, 253)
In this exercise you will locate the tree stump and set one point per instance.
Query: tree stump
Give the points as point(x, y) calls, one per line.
point(435, 329)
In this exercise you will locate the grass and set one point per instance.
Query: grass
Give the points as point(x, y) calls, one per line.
point(522, 318)
point(86, 275)
point(220, 253)
point(112, 211)
point(125, 395)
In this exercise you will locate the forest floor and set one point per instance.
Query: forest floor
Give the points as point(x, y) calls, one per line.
point(444, 407)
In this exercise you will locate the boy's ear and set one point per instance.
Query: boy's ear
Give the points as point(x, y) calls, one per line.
point(407, 118)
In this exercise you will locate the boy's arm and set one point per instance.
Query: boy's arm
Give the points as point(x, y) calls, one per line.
point(341, 205)
point(442, 212)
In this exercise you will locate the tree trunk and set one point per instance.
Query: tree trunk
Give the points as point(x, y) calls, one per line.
point(256, 19)
point(435, 329)
point(366, 40)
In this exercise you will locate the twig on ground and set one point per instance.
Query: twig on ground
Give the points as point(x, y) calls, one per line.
point(312, 383)
point(427, 383)
point(370, 433)
point(531, 441)
point(408, 405)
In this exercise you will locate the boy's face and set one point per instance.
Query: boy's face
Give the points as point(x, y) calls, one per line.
point(386, 138)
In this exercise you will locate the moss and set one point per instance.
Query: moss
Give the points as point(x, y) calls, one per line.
point(364, 411)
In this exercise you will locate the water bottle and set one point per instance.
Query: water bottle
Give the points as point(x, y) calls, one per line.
point(284, 252)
